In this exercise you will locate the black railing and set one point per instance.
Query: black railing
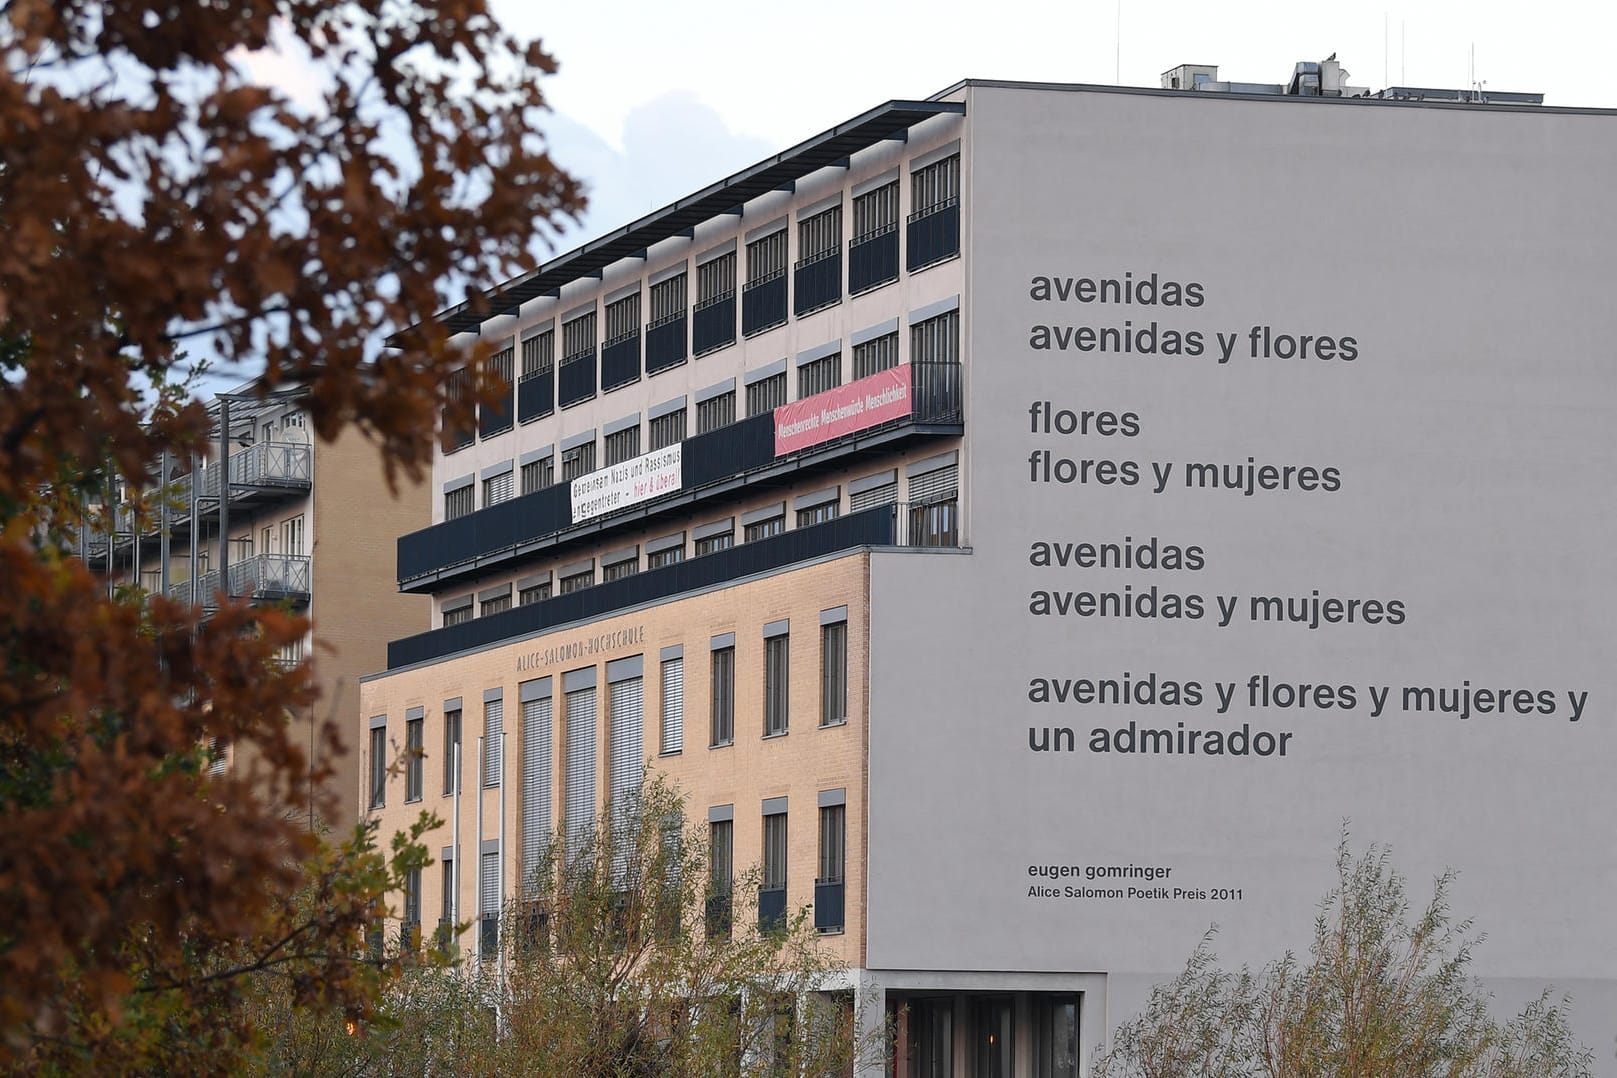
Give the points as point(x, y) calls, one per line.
point(829, 906)
point(717, 919)
point(665, 343)
point(576, 381)
point(873, 259)
point(870, 527)
point(763, 303)
point(536, 394)
point(488, 935)
point(620, 361)
point(771, 909)
point(409, 937)
point(726, 453)
point(494, 417)
point(713, 323)
point(934, 234)
point(444, 938)
point(819, 281)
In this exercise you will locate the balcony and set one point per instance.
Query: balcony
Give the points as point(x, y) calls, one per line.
point(829, 911)
point(620, 361)
point(881, 525)
point(494, 417)
point(763, 303)
point(934, 234)
point(665, 343)
point(873, 259)
point(714, 323)
point(714, 463)
point(536, 394)
point(261, 578)
point(576, 380)
point(771, 909)
point(819, 281)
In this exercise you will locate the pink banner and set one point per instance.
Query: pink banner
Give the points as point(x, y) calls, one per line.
point(856, 406)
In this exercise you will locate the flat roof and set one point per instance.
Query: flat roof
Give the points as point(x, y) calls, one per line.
point(881, 123)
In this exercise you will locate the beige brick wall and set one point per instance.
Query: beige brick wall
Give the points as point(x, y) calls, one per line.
point(798, 765)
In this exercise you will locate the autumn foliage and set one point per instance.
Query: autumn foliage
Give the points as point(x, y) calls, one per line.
point(158, 199)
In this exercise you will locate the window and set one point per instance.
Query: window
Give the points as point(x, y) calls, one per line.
point(766, 258)
point(579, 793)
point(412, 909)
point(460, 502)
point(458, 615)
point(716, 412)
point(463, 432)
point(875, 355)
point(577, 461)
point(533, 593)
point(766, 394)
point(538, 474)
point(496, 489)
point(488, 903)
point(819, 375)
point(578, 337)
point(415, 745)
point(1055, 1036)
point(777, 683)
point(875, 212)
point(495, 415)
point(578, 581)
point(763, 301)
point(714, 319)
point(576, 377)
point(451, 749)
point(668, 429)
point(763, 529)
point(493, 741)
point(716, 279)
point(536, 391)
point(622, 319)
point(820, 236)
point(620, 352)
point(673, 716)
point(539, 354)
point(937, 340)
point(819, 263)
point(626, 759)
point(721, 876)
point(665, 332)
point(446, 920)
point(775, 852)
point(833, 843)
point(937, 185)
point(934, 508)
point(620, 569)
point(622, 445)
point(834, 673)
point(724, 696)
point(378, 766)
point(219, 756)
point(667, 300)
point(670, 556)
point(291, 537)
point(817, 514)
point(713, 543)
point(537, 761)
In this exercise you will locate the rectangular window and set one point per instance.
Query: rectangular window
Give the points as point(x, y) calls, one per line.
point(458, 616)
point(775, 852)
point(724, 696)
point(833, 843)
point(875, 355)
point(459, 503)
point(1055, 1036)
point(578, 581)
point(721, 876)
point(576, 376)
point(446, 919)
point(935, 186)
point(291, 536)
point(451, 749)
point(777, 684)
point(623, 319)
point(488, 904)
point(536, 390)
point(626, 759)
point(671, 556)
point(834, 673)
point(538, 474)
point(539, 354)
point(378, 767)
point(534, 593)
point(763, 529)
point(415, 744)
point(667, 300)
point(673, 716)
point(766, 394)
point(817, 514)
point(766, 258)
point(875, 212)
point(716, 412)
point(713, 543)
point(937, 340)
point(578, 337)
point(820, 235)
point(412, 903)
point(458, 388)
point(716, 279)
point(714, 314)
point(496, 489)
point(620, 569)
point(819, 376)
point(494, 416)
point(622, 445)
point(577, 461)
point(493, 741)
point(580, 788)
point(668, 429)
point(536, 765)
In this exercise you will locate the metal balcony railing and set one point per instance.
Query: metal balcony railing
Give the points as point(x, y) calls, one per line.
point(261, 578)
point(933, 234)
point(818, 281)
point(873, 259)
point(829, 906)
point(665, 343)
point(713, 323)
point(771, 909)
point(763, 303)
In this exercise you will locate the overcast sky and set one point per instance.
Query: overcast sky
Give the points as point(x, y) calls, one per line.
point(655, 100)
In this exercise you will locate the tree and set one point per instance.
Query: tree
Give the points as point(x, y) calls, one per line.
point(1379, 995)
point(155, 197)
point(617, 960)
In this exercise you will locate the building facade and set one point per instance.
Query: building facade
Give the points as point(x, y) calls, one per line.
point(285, 535)
point(1009, 518)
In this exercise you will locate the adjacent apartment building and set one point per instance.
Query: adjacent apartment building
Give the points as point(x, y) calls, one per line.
point(1028, 522)
point(284, 532)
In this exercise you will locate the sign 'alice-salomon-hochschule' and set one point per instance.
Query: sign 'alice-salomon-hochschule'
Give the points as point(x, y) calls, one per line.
point(1289, 508)
point(859, 405)
point(627, 483)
